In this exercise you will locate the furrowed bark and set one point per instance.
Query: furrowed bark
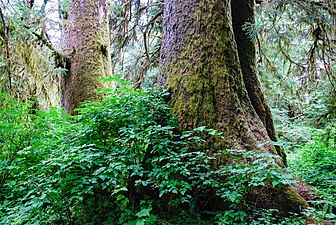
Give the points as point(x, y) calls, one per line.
point(200, 63)
point(242, 15)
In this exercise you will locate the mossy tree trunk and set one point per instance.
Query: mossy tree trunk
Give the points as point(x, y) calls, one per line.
point(200, 64)
point(209, 84)
point(86, 48)
point(243, 14)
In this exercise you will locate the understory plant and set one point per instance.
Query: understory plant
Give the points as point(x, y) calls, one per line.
point(315, 163)
point(123, 160)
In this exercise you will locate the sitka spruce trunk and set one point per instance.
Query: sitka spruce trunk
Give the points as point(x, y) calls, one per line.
point(86, 48)
point(213, 83)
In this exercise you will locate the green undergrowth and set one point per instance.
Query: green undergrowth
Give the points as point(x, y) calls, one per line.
point(310, 142)
point(124, 161)
point(315, 163)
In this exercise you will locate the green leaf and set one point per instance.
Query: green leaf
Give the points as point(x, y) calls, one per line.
point(144, 213)
point(200, 129)
point(140, 222)
point(275, 182)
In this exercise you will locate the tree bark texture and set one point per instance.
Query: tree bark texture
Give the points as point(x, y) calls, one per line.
point(86, 47)
point(242, 13)
point(200, 63)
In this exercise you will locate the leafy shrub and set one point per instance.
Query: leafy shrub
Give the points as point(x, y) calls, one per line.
point(26, 139)
point(124, 161)
point(315, 163)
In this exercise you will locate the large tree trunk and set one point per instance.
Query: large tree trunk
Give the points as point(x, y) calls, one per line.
point(242, 13)
point(86, 47)
point(200, 64)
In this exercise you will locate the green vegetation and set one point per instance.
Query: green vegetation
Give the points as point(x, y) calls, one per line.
point(124, 161)
point(315, 164)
